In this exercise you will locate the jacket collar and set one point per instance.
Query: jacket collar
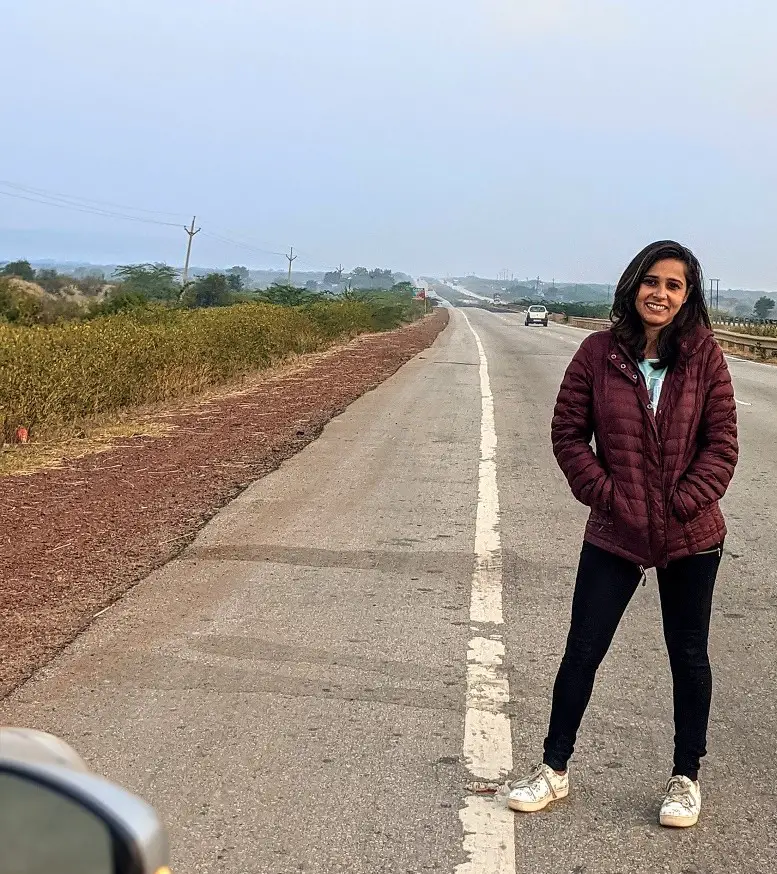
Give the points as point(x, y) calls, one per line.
point(689, 345)
point(694, 340)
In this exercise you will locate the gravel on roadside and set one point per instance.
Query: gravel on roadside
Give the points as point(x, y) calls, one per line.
point(74, 538)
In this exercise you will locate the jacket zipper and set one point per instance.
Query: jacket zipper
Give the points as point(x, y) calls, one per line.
point(652, 414)
point(716, 551)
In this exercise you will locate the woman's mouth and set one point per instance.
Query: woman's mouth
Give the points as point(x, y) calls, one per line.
point(656, 307)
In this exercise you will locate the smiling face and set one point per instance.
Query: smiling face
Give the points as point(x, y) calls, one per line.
point(662, 293)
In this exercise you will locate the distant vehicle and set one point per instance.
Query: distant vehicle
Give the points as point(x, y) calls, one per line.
point(537, 315)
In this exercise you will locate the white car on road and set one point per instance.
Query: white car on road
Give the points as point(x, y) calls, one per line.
point(537, 315)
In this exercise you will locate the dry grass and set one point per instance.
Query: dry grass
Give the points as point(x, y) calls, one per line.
point(100, 433)
point(56, 379)
point(30, 458)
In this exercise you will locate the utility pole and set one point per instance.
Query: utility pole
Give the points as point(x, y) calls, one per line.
point(191, 233)
point(716, 297)
point(291, 258)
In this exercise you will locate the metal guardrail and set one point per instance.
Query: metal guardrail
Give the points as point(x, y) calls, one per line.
point(758, 347)
point(589, 324)
point(731, 341)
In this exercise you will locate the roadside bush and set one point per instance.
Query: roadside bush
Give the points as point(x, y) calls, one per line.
point(341, 319)
point(52, 377)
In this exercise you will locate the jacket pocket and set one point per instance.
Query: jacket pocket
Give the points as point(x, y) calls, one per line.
point(706, 528)
point(601, 521)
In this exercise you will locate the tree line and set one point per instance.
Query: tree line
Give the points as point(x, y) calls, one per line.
point(157, 285)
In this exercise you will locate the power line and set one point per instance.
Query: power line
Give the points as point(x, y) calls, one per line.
point(241, 245)
point(86, 200)
point(90, 210)
point(105, 213)
point(91, 206)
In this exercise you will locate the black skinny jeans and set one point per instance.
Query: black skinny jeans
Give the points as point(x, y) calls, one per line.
point(604, 587)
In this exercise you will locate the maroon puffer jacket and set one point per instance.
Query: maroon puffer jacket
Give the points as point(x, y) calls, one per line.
point(654, 482)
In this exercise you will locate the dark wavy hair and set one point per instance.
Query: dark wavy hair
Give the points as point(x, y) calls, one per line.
point(627, 325)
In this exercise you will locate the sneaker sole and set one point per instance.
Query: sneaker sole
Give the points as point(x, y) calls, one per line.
point(534, 806)
point(678, 821)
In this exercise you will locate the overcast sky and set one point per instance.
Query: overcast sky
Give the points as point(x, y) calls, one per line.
point(550, 137)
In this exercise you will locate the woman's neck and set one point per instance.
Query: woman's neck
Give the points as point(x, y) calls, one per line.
point(651, 342)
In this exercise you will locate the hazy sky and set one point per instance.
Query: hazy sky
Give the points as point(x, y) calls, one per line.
point(550, 137)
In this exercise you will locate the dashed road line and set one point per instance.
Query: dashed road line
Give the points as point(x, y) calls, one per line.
point(489, 829)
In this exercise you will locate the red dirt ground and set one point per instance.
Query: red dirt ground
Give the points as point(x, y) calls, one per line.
point(75, 538)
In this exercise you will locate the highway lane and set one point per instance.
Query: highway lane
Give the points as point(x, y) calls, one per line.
point(294, 693)
point(624, 753)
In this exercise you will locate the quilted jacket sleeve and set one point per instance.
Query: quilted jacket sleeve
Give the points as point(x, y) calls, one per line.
point(571, 432)
point(710, 472)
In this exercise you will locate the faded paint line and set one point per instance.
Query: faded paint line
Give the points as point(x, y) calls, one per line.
point(489, 838)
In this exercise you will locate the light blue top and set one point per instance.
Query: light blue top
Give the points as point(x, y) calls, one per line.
point(654, 378)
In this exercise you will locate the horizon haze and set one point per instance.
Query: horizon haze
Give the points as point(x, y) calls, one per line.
point(554, 138)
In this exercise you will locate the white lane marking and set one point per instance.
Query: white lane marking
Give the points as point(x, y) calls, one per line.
point(749, 361)
point(743, 403)
point(489, 837)
point(489, 829)
point(486, 603)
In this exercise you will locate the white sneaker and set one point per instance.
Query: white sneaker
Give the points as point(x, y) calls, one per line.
point(538, 789)
point(682, 803)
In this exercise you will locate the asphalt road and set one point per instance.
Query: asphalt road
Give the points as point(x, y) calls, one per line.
point(291, 693)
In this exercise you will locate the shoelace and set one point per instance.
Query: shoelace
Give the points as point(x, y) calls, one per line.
point(678, 793)
point(536, 774)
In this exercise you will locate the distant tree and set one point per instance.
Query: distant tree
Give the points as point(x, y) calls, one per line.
point(333, 277)
point(238, 277)
point(16, 306)
point(20, 269)
point(53, 282)
point(91, 285)
point(281, 294)
point(120, 301)
point(152, 281)
point(763, 307)
point(213, 290)
point(243, 272)
point(372, 279)
point(311, 285)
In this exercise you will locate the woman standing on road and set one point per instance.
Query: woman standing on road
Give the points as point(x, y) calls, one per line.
point(655, 393)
